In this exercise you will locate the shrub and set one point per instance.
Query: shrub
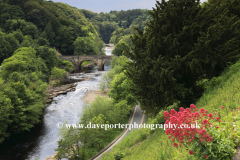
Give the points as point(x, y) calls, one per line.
point(57, 73)
point(216, 137)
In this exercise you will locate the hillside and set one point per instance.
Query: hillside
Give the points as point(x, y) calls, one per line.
point(223, 90)
point(107, 23)
point(33, 23)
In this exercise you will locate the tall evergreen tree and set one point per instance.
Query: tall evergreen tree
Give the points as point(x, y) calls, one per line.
point(181, 45)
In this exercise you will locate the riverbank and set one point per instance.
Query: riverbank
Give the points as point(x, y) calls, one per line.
point(55, 91)
point(91, 95)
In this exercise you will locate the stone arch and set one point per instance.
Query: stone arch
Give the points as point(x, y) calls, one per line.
point(80, 62)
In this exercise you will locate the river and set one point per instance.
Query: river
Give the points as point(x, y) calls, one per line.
point(42, 140)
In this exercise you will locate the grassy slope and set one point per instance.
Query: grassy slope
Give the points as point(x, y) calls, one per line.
point(85, 63)
point(1, 80)
point(220, 91)
point(156, 146)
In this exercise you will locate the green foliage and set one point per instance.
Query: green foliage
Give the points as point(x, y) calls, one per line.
point(105, 30)
point(118, 156)
point(108, 77)
point(116, 35)
point(85, 63)
point(57, 74)
point(18, 35)
point(30, 29)
point(42, 41)
point(22, 60)
point(223, 93)
point(5, 48)
point(21, 103)
point(85, 46)
point(168, 62)
point(5, 110)
point(101, 111)
point(140, 143)
point(119, 89)
point(49, 56)
point(28, 42)
point(224, 134)
point(118, 65)
point(68, 66)
point(159, 118)
point(41, 67)
point(71, 140)
point(1, 80)
point(13, 42)
point(119, 48)
point(57, 24)
point(120, 61)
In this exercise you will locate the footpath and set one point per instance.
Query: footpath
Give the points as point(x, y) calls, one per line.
point(136, 116)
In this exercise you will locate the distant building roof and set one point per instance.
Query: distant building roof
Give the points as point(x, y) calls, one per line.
point(59, 54)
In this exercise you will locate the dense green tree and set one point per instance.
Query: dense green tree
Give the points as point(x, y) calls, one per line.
point(85, 46)
point(119, 48)
point(42, 42)
point(116, 35)
point(10, 12)
point(5, 48)
point(49, 56)
point(105, 30)
point(41, 67)
point(119, 89)
point(18, 35)
point(57, 73)
point(22, 60)
point(23, 95)
point(50, 33)
point(5, 110)
point(67, 65)
point(31, 30)
point(28, 42)
point(13, 42)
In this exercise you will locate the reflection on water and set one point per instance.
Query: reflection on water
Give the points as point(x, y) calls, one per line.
point(42, 140)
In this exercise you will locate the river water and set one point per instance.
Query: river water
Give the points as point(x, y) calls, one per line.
point(42, 140)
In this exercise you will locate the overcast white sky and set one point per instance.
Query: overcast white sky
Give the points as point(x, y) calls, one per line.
point(108, 5)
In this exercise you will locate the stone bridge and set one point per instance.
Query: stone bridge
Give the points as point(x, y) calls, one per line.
point(77, 60)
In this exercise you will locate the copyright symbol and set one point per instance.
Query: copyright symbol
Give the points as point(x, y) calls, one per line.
point(59, 125)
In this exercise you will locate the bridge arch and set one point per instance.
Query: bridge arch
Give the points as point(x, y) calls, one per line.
point(77, 60)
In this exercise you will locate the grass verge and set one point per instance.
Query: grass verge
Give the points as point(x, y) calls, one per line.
point(1, 80)
point(85, 63)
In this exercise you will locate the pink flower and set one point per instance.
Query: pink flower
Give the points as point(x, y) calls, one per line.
point(192, 106)
point(175, 145)
point(217, 118)
point(205, 121)
point(206, 156)
point(181, 109)
point(222, 107)
point(202, 110)
point(210, 115)
point(191, 152)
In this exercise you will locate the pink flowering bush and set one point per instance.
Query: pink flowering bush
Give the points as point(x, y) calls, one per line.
point(199, 132)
